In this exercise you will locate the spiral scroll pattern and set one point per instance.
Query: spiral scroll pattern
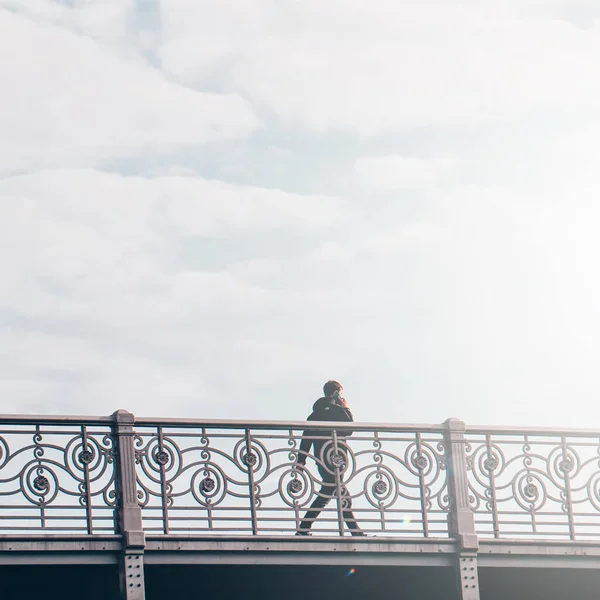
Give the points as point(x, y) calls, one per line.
point(249, 479)
point(246, 481)
point(535, 485)
point(57, 479)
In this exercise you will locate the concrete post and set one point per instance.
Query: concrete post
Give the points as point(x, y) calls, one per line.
point(131, 562)
point(461, 517)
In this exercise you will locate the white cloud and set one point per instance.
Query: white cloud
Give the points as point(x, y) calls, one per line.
point(95, 255)
point(56, 374)
point(107, 236)
point(431, 286)
point(405, 64)
point(105, 20)
point(69, 101)
point(387, 173)
point(190, 204)
point(200, 206)
point(454, 308)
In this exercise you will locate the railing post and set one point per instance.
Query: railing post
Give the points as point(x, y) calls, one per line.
point(461, 516)
point(131, 562)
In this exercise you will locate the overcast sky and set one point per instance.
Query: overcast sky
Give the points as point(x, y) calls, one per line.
point(210, 207)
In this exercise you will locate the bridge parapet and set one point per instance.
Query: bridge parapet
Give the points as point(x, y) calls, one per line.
point(58, 474)
point(135, 491)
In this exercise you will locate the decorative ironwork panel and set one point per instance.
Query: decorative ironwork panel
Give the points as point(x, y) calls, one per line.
point(56, 478)
point(232, 480)
point(534, 485)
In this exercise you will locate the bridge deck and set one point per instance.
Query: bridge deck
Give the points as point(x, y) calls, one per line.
point(280, 551)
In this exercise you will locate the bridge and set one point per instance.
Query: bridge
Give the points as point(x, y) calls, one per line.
point(134, 508)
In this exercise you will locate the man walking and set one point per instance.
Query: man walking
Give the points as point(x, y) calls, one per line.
point(332, 407)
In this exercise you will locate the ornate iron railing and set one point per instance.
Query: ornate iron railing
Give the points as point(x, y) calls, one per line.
point(57, 475)
point(85, 476)
point(233, 478)
point(534, 483)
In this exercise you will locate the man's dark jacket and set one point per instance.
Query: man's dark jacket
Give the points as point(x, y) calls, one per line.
point(324, 409)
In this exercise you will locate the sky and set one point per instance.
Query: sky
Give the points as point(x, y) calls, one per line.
point(208, 208)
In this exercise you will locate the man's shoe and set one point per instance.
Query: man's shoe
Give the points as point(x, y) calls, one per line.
point(301, 532)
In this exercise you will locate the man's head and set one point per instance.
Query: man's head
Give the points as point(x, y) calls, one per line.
point(331, 387)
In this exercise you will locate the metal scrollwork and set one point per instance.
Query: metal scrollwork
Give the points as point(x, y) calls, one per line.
point(161, 457)
point(86, 457)
point(566, 465)
point(249, 481)
point(41, 484)
point(491, 463)
point(535, 484)
point(338, 460)
point(208, 485)
point(250, 459)
point(420, 461)
point(295, 486)
point(380, 488)
point(58, 478)
point(531, 491)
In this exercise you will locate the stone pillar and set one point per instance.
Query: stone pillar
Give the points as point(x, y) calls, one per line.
point(129, 513)
point(461, 517)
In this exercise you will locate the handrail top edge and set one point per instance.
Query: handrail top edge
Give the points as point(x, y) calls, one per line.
point(30, 419)
point(57, 420)
point(539, 431)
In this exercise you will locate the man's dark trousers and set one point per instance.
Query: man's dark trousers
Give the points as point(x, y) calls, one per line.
point(325, 494)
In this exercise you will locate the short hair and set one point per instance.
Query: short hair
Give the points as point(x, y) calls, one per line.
point(331, 387)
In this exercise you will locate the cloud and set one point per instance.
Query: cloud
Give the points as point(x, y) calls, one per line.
point(103, 234)
point(57, 373)
point(388, 173)
point(101, 299)
point(442, 263)
point(106, 22)
point(70, 101)
point(341, 64)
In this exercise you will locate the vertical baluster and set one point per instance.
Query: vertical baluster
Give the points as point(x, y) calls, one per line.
point(566, 466)
point(422, 486)
point(336, 462)
point(38, 453)
point(86, 476)
point(491, 467)
point(294, 449)
point(250, 461)
point(527, 461)
point(164, 496)
point(377, 446)
point(205, 441)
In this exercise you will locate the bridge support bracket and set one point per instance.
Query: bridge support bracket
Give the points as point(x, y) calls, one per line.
point(468, 576)
point(131, 575)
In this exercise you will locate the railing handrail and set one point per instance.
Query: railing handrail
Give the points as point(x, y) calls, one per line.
point(217, 423)
point(539, 431)
point(28, 419)
point(285, 425)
